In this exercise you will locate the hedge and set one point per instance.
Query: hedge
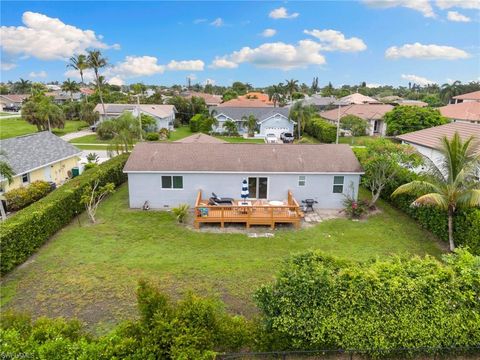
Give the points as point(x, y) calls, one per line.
point(322, 130)
point(22, 234)
point(22, 197)
point(320, 302)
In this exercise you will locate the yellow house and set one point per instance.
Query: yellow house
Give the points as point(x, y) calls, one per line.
point(39, 156)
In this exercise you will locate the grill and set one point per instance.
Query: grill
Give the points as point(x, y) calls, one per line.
point(308, 204)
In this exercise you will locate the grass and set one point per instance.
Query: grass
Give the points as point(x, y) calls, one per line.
point(354, 140)
point(89, 139)
point(240, 139)
point(12, 127)
point(91, 271)
point(180, 133)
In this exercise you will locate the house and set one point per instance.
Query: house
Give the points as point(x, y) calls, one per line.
point(244, 102)
point(372, 113)
point(163, 114)
point(466, 111)
point(168, 174)
point(427, 141)
point(201, 138)
point(270, 120)
point(38, 156)
point(256, 95)
point(319, 102)
point(358, 98)
point(397, 100)
point(210, 100)
point(469, 97)
point(12, 100)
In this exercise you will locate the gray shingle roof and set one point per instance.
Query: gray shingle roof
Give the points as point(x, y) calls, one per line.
point(261, 113)
point(28, 152)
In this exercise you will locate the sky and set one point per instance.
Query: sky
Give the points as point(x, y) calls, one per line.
point(390, 42)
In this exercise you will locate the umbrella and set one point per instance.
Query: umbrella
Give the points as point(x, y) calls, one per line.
point(245, 193)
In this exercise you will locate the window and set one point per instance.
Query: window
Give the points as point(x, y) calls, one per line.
point(338, 184)
point(25, 178)
point(301, 180)
point(172, 182)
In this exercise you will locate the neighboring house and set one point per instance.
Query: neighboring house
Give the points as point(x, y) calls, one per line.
point(256, 95)
point(163, 114)
point(397, 100)
point(373, 113)
point(466, 111)
point(210, 100)
point(12, 100)
point(243, 102)
point(39, 156)
point(319, 102)
point(61, 97)
point(469, 97)
point(169, 174)
point(358, 98)
point(269, 120)
point(201, 138)
point(427, 141)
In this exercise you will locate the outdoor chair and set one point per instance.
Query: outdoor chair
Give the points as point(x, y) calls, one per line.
point(222, 201)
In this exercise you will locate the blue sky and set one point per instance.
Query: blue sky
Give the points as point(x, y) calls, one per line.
point(345, 42)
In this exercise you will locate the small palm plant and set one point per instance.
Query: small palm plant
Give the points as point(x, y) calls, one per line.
point(450, 185)
point(181, 212)
point(251, 123)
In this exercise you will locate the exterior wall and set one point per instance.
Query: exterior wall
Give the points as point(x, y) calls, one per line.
point(222, 119)
point(382, 128)
point(276, 121)
point(147, 187)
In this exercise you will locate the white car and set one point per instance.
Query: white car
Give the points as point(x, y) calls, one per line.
point(271, 139)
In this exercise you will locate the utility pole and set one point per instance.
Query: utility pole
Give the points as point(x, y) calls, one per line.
point(139, 117)
point(338, 123)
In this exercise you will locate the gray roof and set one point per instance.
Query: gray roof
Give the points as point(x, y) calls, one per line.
point(261, 113)
point(318, 100)
point(28, 152)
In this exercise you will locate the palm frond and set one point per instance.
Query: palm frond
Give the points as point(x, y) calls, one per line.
point(416, 187)
point(469, 198)
point(432, 199)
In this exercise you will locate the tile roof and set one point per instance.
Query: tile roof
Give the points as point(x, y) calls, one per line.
point(160, 111)
point(209, 98)
point(258, 96)
point(475, 95)
point(245, 103)
point(261, 114)
point(319, 100)
point(358, 98)
point(431, 137)
point(462, 111)
point(364, 111)
point(15, 98)
point(201, 138)
point(258, 158)
point(28, 152)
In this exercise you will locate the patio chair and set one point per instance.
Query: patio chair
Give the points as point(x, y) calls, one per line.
point(222, 201)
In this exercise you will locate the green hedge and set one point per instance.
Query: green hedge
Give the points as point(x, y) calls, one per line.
point(320, 302)
point(22, 234)
point(322, 130)
point(22, 197)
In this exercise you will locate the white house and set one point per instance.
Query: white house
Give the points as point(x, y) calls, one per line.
point(168, 174)
point(163, 114)
point(270, 120)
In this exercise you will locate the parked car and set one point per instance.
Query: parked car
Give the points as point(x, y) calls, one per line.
point(271, 139)
point(287, 137)
point(11, 108)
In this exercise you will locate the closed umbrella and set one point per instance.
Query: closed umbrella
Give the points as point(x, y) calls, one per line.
point(245, 193)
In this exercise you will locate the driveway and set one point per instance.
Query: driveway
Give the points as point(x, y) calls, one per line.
point(102, 155)
point(77, 134)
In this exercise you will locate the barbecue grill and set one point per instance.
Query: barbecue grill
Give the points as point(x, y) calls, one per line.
point(308, 204)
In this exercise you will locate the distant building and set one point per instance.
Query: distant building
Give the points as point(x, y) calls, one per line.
point(210, 100)
point(468, 111)
point(249, 103)
point(319, 102)
point(358, 99)
point(12, 100)
point(469, 97)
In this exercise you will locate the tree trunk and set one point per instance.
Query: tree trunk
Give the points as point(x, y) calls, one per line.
point(100, 94)
point(2, 211)
point(450, 230)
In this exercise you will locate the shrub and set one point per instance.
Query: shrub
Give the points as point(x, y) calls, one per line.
point(104, 130)
point(181, 212)
point(164, 134)
point(89, 165)
point(356, 125)
point(404, 119)
point(151, 136)
point(320, 302)
point(22, 234)
point(321, 129)
point(22, 197)
point(354, 208)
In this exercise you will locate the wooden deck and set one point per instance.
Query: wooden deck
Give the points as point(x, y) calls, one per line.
point(258, 212)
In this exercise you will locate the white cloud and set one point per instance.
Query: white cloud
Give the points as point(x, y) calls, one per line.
point(116, 81)
point(275, 55)
point(282, 13)
point(218, 22)
point(332, 40)
point(88, 75)
point(134, 66)
point(186, 65)
point(374, 85)
point(40, 74)
point(6, 66)
point(463, 4)
point(456, 16)
point(199, 21)
point(209, 82)
point(420, 51)
point(269, 32)
point(48, 38)
point(417, 79)
point(422, 6)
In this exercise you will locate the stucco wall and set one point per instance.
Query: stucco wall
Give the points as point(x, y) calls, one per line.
point(276, 121)
point(147, 187)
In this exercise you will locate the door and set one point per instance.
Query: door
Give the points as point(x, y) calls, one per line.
point(258, 187)
point(48, 173)
point(276, 130)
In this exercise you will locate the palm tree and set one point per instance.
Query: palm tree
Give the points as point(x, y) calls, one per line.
point(450, 90)
point(126, 131)
point(302, 115)
point(452, 184)
point(6, 173)
point(50, 114)
point(79, 63)
point(291, 86)
point(22, 86)
point(230, 127)
point(251, 122)
point(96, 62)
point(275, 93)
point(71, 87)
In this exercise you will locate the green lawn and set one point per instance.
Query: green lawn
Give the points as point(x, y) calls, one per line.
point(89, 139)
point(180, 133)
point(240, 139)
point(91, 271)
point(354, 140)
point(12, 127)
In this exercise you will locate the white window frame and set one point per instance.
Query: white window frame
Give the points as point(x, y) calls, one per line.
point(171, 182)
point(338, 184)
point(302, 180)
point(28, 178)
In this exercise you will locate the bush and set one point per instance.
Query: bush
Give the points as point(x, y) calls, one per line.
point(104, 130)
point(354, 208)
point(320, 302)
point(356, 125)
point(24, 233)
point(164, 134)
point(321, 129)
point(151, 136)
point(181, 212)
point(22, 197)
point(404, 119)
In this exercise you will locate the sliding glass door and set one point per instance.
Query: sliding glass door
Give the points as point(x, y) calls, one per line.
point(258, 187)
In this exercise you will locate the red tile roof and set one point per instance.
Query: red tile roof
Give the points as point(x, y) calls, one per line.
point(469, 96)
point(469, 111)
point(15, 98)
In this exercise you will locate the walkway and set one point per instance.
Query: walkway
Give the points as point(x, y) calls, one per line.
point(77, 134)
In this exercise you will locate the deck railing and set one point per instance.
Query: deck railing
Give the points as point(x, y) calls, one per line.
point(257, 212)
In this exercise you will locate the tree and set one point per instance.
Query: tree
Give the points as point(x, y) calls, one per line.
point(41, 111)
point(93, 195)
point(291, 86)
point(382, 160)
point(71, 87)
point(229, 95)
point(404, 119)
point(125, 131)
point(275, 93)
point(22, 86)
point(315, 86)
point(96, 61)
point(6, 174)
point(240, 88)
point(356, 125)
point(79, 63)
point(302, 115)
point(230, 127)
point(87, 113)
point(450, 185)
point(448, 91)
point(251, 122)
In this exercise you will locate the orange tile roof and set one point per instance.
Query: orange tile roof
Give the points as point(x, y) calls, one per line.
point(257, 95)
point(469, 111)
point(469, 96)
